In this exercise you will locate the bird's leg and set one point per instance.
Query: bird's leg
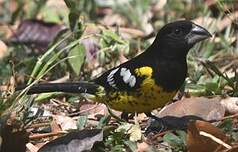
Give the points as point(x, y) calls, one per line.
point(126, 116)
point(156, 124)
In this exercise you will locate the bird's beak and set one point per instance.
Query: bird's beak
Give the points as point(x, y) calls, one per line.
point(197, 34)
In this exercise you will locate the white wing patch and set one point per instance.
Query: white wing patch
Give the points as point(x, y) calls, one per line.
point(127, 77)
point(132, 81)
point(110, 78)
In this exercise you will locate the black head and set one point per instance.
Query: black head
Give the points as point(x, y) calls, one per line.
point(176, 38)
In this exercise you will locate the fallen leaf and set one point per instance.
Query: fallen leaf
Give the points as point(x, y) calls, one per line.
point(91, 109)
point(55, 126)
point(159, 5)
point(204, 137)
point(82, 121)
point(3, 49)
point(31, 147)
point(76, 141)
point(205, 108)
point(66, 123)
point(135, 133)
point(124, 127)
point(36, 32)
point(113, 19)
point(230, 104)
point(219, 24)
point(176, 139)
point(142, 147)
point(233, 149)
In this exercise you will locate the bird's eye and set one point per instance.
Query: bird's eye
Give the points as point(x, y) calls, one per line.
point(178, 31)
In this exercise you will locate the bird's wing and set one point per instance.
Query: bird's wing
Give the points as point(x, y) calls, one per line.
point(126, 77)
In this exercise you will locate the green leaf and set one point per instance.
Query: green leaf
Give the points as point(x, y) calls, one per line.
point(76, 58)
point(44, 96)
point(173, 140)
point(104, 121)
point(124, 127)
point(101, 57)
point(70, 4)
point(226, 125)
point(75, 24)
point(82, 121)
point(182, 135)
point(73, 19)
point(212, 86)
point(131, 145)
point(112, 35)
point(234, 135)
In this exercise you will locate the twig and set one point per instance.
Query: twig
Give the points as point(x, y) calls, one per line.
point(38, 125)
point(83, 111)
point(217, 140)
point(224, 118)
point(37, 136)
point(63, 79)
point(158, 135)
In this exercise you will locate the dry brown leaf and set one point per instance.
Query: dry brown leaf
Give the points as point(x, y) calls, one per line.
point(122, 57)
point(135, 133)
point(204, 20)
point(159, 5)
point(210, 2)
point(208, 109)
point(230, 104)
point(37, 33)
point(3, 49)
point(142, 147)
point(204, 137)
point(54, 126)
point(141, 117)
point(60, 4)
point(92, 109)
point(7, 30)
point(113, 19)
point(228, 20)
point(65, 122)
point(130, 31)
point(31, 147)
point(75, 141)
point(233, 149)
point(220, 24)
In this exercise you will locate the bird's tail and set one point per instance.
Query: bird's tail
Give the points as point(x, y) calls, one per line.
point(74, 87)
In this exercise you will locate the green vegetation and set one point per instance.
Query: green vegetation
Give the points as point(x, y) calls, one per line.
point(99, 35)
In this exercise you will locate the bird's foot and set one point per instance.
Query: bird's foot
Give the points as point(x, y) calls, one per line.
point(155, 125)
point(126, 116)
point(158, 125)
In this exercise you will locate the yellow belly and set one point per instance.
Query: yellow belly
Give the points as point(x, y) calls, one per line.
point(145, 99)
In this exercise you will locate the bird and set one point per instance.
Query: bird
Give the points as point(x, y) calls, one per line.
point(146, 82)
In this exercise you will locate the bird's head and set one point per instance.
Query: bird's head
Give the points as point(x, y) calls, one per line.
point(176, 38)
